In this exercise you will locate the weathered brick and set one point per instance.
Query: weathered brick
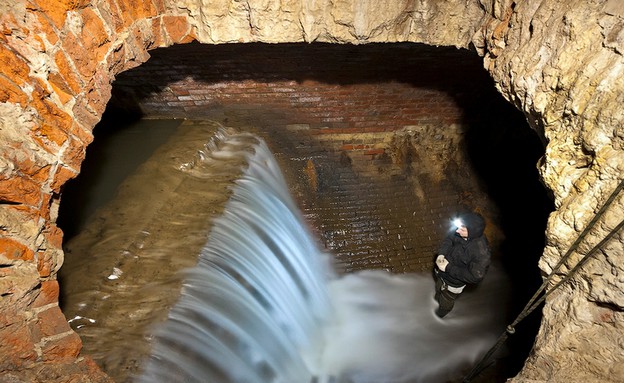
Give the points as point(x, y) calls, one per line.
point(20, 190)
point(133, 10)
point(81, 57)
point(157, 38)
point(94, 37)
point(36, 169)
point(84, 115)
point(46, 135)
point(56, 10)
point(63, 174)
point(44, 207)
point(65, 348)
point(13, 249)
point(52, 322)
point(46, 28)
point(68, 74)
point(178, 29)
point(53, 235)
point(54, 122)
point(13, 67)
point(17, 347)
point(46, 261)
point(60, 87)
point(48, 293)
point(10, 92)
point(99, 92)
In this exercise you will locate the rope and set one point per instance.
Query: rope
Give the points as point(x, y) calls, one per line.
point(534, 302)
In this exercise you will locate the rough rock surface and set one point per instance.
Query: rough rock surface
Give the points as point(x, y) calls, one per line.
point(558, 62)
point(563, 66)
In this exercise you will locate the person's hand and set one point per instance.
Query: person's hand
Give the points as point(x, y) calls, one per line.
point(441, 262)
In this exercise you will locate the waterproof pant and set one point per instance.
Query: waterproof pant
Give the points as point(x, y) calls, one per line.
point(445, 298)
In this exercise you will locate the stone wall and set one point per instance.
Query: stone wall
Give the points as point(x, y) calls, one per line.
point(58, 60)
point(563, 66)
point(559, 63)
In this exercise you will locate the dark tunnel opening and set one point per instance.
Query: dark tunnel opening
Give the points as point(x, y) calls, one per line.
point(501, 150)
point(505, 154)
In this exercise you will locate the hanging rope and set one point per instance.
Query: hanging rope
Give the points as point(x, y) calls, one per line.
point(538, 297)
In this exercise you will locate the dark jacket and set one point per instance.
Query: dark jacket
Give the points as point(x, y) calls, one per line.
point(469, 259)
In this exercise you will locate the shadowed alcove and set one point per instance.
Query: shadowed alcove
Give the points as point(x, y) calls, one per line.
point(381, 145)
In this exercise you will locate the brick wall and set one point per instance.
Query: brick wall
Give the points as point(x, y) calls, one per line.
point(376, 87)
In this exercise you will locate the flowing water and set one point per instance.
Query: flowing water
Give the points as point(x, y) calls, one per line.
point(262, 307)
point(385, 329)
point(254, 307)
point(261, 303)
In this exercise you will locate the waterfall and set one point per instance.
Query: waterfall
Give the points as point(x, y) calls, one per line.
point(253, 308)
point(263, 306)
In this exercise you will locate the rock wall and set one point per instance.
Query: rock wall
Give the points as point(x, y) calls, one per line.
point(58, 61)
point(560, 63)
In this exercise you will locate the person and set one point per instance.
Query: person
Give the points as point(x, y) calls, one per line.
point(463, 258)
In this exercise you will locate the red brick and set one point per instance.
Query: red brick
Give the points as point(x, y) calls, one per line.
point(13, 249)
point(65, 348)
point(83, 114)
point(178, 29)
point(60, 87)
point(16, 347)
point(20, 190)
point(157, 33)
point(56, 10)
point(13, 66)
point(52, 322)
point(62, 175)
point(110, 14)
point(48, 293)
point(81, 57)
point(65, 70)
point(44, 263)
point(133, 10)
point(93, 36)
point(10, 92)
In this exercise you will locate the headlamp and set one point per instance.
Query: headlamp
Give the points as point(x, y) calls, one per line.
point(458, 223)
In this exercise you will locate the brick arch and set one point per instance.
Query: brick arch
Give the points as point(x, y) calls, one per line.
point(58, 60)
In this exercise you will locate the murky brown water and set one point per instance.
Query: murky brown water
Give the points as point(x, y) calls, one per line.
point(122, 271)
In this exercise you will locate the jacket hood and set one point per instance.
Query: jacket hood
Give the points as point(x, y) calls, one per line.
point(474, 223)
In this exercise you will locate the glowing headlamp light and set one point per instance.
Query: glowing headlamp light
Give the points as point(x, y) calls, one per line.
point(458, 223)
